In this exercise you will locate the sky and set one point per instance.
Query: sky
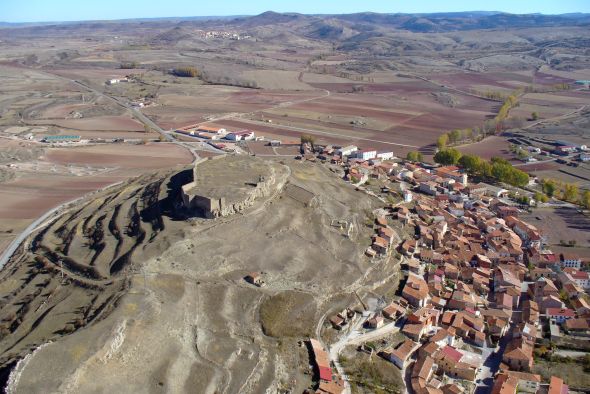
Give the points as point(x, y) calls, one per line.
point(76, 10)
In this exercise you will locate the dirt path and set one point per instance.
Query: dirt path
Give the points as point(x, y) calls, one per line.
point(452, 88)
point(556, 118)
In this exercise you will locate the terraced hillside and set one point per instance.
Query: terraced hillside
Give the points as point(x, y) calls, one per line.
point(181, 317)
point(75, 269)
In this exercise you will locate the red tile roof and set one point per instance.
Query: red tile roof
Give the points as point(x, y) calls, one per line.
point(566, 312)
point(325, 373)
point(451, 353)
point(556, 386)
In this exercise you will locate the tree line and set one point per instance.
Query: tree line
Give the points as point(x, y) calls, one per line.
point(186, 72)
point(489, 127)
point(497, 168)
point(566, 191)
point(509, 103)
point(194, 72)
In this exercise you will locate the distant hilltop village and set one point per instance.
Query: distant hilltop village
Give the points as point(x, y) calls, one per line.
point(226, 35)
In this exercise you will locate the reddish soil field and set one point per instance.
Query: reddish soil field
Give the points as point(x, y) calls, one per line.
point(100, 123)
point(489, 147)
point(407, 127)
point(95, 73)
point(532, 168)
point(149, 156)
point(348, 110)
point(28, 198)
point(276, 132)
point(344, 129)
point(270, 98)
point(468, 79)
point(390, 87)
point(438, 122)
point(549, 103)
point(133, 135)
point(174, 118)
point(183, 111)
point(402, 87)
point(547, 79)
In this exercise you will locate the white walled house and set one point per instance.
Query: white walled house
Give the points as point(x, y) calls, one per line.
point(385, 155)
point(408, 196)
point(245, 135)
point(347, 150)
point(570, 261)
point(366, 154)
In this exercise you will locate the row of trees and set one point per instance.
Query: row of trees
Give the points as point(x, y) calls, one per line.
point(498, 168)
point(545, 88)
point(216, 79)
point(566, 191)
point(492, 94)
point(510, 102)
point(456, 136)
point(477, 133)
point(415, 156)
point(212, 78)
point(129, 65)
point(186, 71)
point(501, 96)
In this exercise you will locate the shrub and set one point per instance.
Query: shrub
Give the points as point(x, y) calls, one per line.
point(186, 72)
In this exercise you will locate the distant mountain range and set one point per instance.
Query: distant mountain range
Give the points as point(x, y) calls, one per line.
point(423, 22)
point(427, 23)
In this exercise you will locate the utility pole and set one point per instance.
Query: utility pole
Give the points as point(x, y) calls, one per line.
point(61, 265)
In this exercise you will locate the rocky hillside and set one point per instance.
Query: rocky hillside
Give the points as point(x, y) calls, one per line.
point(77, 267)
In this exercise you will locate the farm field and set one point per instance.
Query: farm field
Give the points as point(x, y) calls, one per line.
point(561, 224)
point(488, 148)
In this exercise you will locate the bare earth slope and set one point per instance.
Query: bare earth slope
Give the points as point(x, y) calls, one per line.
point(188, 322)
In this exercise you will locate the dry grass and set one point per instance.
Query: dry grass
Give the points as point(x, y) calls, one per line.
point(288, 314)
point(372, 374)
point(573, 374)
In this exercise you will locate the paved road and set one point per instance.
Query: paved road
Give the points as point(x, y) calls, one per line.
point(136, 113)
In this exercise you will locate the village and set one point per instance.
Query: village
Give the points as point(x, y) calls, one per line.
point(482, 296)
